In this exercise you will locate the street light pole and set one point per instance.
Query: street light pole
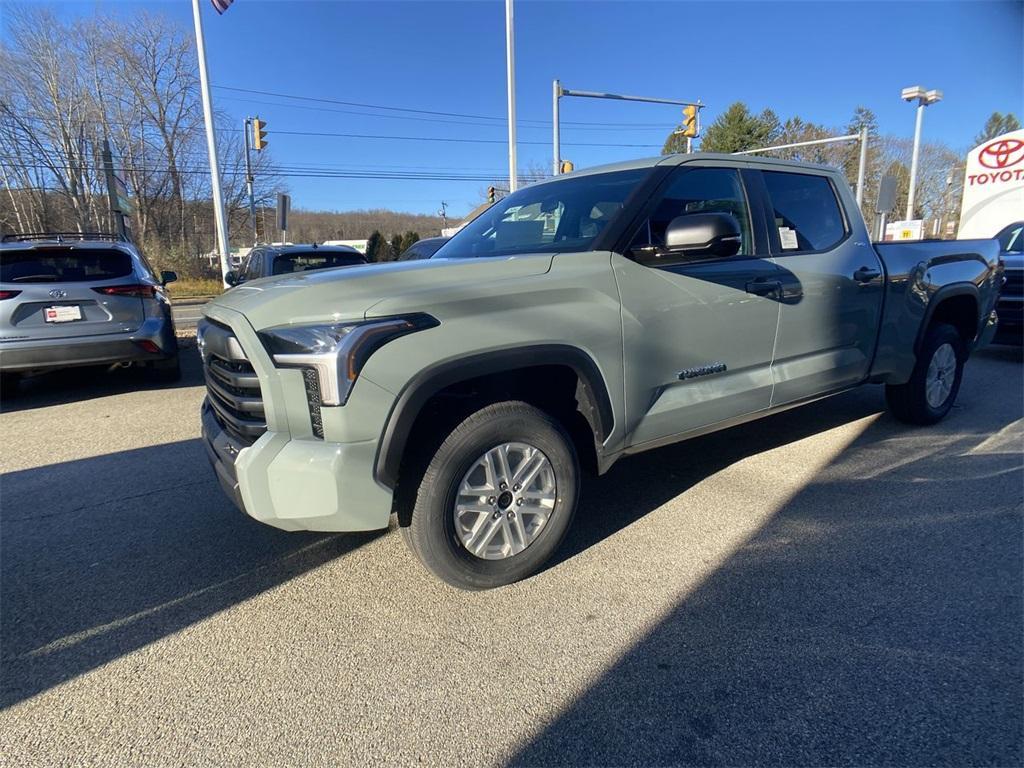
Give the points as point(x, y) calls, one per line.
point(913, 160)
point(923, 99)
point(211, 147)
point(510, 64)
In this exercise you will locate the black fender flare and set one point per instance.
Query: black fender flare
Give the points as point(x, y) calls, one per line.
point(947, 292)
point(592, 392)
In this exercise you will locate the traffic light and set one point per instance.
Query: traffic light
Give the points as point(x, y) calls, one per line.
point(259, 134)
point(490, 194)
point(690, 121)
point(566, 167)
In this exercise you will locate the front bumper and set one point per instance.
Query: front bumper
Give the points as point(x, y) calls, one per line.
point(988, 330)
point(299, 484)
point(47, 354)
point(1011, 319)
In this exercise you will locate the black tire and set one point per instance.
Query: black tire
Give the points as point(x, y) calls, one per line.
point(10, 385)
point(164, 371)
point(431, 533)
point(909, 402)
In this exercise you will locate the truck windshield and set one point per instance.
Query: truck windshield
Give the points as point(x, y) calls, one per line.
point(555, 217)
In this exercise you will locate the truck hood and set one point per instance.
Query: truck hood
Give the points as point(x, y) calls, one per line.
point(348, 293)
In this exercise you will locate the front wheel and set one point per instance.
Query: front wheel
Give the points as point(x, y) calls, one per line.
point(931, 391)
point(496, 499)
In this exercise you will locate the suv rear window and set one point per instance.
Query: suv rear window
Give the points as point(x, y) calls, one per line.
point(807, 213)
point(63, 265)
point(304, 261)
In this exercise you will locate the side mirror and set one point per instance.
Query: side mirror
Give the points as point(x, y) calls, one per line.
point(695, 235)
point(232, 278)
point(168, 277)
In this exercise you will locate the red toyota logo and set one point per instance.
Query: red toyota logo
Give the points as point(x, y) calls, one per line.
point(1002, 153)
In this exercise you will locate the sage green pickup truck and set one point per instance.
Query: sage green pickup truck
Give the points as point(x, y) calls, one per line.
point(578, 320)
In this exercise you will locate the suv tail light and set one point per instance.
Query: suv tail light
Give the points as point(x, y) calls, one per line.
point(141, 291)
point(8, 294)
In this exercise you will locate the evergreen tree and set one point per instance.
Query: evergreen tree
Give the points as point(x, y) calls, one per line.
point(375, 246)
point(738, 129)
point(408, 239)
point(996, 125)
point(865, 118)
point(396, 246)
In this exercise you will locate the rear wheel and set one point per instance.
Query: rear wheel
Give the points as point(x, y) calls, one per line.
point(496, 499)
point(933, 386)
point(9, 384)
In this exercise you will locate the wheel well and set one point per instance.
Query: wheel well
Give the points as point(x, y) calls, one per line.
point(961, 312)
point(555, 389)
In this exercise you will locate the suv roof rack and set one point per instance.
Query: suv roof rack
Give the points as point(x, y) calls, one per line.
point(62, 236)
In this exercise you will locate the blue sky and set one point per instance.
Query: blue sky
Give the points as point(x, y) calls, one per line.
point(813, 59)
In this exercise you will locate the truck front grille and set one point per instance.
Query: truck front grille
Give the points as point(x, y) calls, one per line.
point(232, 386)
point(1013, 284)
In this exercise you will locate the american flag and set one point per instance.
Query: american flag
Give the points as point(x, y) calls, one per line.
point(221, 5)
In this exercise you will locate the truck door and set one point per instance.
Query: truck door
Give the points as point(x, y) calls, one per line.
point(697, 334)
point(832, 280)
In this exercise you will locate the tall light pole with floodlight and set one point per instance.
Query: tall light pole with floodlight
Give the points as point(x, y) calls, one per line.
point(923, 98)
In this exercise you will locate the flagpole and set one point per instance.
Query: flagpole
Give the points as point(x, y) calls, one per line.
point(211, 147)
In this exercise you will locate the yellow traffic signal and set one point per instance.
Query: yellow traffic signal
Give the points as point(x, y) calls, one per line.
point(567, 167)
point(490, 194)
point(690, 120)
point(259, 134)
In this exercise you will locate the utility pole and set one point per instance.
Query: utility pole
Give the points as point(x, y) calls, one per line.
point(249, 179)
point(862, 165)
point(510, 65)
point(444, 215)
point(211, 147)
point(556, 140)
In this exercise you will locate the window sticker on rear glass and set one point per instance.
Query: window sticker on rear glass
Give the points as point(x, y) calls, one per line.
point(788, 238)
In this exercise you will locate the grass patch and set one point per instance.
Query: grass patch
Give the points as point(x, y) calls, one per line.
point(189, 286)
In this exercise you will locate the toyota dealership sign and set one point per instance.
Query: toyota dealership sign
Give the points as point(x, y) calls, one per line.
point(993, 186)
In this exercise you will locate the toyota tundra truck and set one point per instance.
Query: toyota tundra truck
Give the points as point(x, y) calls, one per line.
point(579, 320)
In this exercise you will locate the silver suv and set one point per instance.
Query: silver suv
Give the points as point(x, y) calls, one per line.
point(73, 299)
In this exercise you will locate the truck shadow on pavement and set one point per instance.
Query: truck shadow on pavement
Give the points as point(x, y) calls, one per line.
point(847, 606)
point(102, 556)
point(73, 385)
point(875, 618)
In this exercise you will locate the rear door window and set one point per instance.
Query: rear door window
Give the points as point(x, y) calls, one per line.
point(807, 213)
point(63, 265)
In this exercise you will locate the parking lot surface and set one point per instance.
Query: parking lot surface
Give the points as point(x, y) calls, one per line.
point(826, 586)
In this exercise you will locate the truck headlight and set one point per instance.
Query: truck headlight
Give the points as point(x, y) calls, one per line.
point(337, 352)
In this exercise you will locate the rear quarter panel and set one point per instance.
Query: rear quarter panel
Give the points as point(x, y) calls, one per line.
point(919, 276)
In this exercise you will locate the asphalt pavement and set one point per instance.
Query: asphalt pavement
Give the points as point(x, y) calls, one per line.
point(186, 312)
point(823, 587)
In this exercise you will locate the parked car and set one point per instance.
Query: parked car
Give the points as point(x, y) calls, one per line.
point(271, 260)
point(1010, 307)
point(581, 319)
point(422, 249)
point(73, 299)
